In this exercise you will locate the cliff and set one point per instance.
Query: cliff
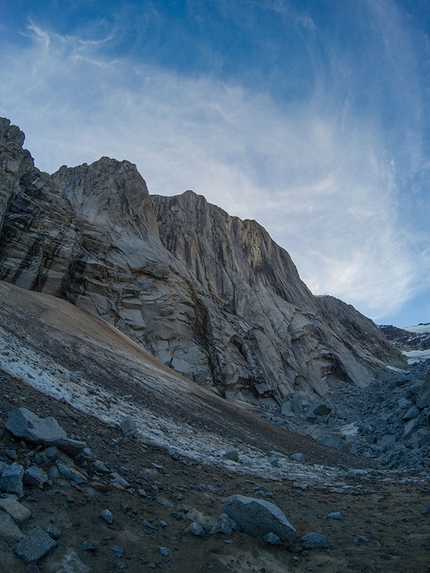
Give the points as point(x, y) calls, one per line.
point(210, 295)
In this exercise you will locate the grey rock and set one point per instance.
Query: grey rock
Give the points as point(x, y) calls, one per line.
point(15, 509)
point(9, 530)
point(410, 428)
point(335, 515)
point(258, 517)
point(196, 529)
point(298, 458)
point(412, 413)
point(318, 409)
point(224, 525)
point(71, 473)
point(70, 447)
point(35, 545)
point(116, 478)
point(163, 550)
point(271, 539)
point(119, 551)
point(53, 531)
point(315, 541)
point(232, 454)
point(128, 426)
point(75, 376)
point(52, 453)
point(88, 547)
point(387, 442)
point(100, 466)
point(274, 461)
point(331, 441)
point(35, 476)
point(423, 399)
point(11, 479)
point(106, 514)
point(24, 424)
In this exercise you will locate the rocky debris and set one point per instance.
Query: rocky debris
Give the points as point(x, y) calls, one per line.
point(258, 517)
point(35, 545)
point(408, 339)
point(387, 421)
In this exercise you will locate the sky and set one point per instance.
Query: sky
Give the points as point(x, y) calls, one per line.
point(312, 117)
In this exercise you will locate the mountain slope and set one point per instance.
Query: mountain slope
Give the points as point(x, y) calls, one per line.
point(208, 294)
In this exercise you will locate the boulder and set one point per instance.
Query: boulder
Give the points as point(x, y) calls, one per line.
point(315, 541)
point(24, 424)
point(128, 426)
point(423, 399)
point(258, 517)
point(35, 545)
point(15, 509)
point(11, 479)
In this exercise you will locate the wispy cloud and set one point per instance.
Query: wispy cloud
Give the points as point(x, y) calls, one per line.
point(321, 176)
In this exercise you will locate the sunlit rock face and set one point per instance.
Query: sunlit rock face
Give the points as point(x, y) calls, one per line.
point(209, 294)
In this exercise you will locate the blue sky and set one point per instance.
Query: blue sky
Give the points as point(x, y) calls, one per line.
point(312, 117)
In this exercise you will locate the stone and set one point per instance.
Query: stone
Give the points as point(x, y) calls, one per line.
point(107, 516)
point(298, 458)
point(35, 545)
point(232, 454)
point(274, 461)
point(315, 541)
point(271, 539)
point(70, 447)
point(88, 547)
point(119, 551)
point(15, 509)
point(410, 428)
point(35, 476)
point(423, 400)
point(71, 473)
point(258, 517)
point(9, 530)
point(335, 515)
point(11, 479)
point(100, 466)
point(116, 478)
point(24, 424)
point(224, 525)
point(163, 550)
point(196, 529)
point(331, 441)
point(318, 409)
point(128, 426)
point(412, 413)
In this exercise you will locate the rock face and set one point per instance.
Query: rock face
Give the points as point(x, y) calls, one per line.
point(210, 295)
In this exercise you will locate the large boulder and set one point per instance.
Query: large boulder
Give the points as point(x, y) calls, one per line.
point(258, 517)
point(24, 424)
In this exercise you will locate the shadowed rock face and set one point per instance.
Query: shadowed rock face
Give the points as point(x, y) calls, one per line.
point(210, 295)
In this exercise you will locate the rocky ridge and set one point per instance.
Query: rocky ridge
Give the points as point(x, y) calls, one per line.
point(210, 295)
